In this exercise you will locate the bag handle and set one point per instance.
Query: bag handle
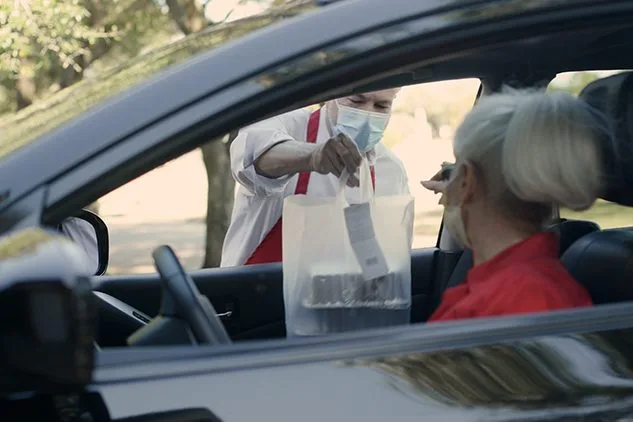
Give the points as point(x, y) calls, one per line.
point(366, 186)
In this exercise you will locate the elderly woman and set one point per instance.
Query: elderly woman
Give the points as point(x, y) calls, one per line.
point(518, 154)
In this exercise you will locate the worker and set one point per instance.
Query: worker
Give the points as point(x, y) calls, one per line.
point(304, 152)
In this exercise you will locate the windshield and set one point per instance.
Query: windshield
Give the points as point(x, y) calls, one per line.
point(21, 127)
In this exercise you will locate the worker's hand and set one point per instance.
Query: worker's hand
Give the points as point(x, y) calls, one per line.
point(336, 154)
point(438, 182)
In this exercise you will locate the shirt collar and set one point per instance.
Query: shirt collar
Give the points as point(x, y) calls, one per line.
point(540, 245)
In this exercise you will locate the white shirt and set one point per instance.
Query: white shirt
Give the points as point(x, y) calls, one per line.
point(82, 233)
point(259, 200)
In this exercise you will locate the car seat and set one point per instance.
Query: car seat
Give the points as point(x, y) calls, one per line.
point(603, 261)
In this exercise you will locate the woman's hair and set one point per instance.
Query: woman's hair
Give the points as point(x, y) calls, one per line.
point(535, 149)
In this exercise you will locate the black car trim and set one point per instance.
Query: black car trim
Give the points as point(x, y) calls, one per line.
point(115, 366)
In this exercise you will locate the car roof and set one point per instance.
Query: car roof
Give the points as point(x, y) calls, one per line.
point(18, 129)
point(41, 118)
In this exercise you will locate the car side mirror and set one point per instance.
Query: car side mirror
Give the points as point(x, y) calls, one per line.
point(90, 232)
point(47, 313)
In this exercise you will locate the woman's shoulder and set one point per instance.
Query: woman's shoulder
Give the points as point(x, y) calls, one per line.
point(548, 279)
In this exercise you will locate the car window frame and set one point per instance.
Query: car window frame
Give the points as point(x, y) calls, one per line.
point(158, 144)
point(226, 119)
point(136, 364)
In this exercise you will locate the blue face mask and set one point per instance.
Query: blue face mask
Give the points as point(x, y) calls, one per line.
point(365, 128)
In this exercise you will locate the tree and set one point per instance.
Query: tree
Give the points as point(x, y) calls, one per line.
point(190, 18)
point(48, 44)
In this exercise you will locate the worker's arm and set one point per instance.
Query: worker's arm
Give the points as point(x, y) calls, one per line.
point(291, 157)
point(259, 139)
point(286, 158)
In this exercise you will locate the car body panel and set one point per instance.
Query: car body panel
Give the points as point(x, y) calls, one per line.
point(538, 367)
point(556, 364)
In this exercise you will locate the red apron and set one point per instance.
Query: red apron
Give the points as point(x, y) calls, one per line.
point(270, 249)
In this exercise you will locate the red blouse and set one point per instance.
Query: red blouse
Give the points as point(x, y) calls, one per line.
point(526, 277)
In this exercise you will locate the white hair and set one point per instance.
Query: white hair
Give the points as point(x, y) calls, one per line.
point(536, 147)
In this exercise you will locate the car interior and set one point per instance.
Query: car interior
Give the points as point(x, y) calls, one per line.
point(249, 300)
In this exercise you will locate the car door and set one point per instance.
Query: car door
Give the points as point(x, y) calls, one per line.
point(574, 365)
point(250, 299)
point(564, 364)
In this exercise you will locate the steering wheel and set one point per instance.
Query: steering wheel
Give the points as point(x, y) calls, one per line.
point(182, 299)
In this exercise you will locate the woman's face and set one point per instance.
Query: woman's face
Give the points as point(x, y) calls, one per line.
point(459, 194)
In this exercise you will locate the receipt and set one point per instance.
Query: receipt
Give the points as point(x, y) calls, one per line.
point(362, 236)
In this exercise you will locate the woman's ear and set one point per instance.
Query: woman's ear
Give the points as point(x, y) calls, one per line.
point(469, 182)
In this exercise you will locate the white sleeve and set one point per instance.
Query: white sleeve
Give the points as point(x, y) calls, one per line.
point(404, 190)
point(403, 186)
point(253, 141)
point(83, 234)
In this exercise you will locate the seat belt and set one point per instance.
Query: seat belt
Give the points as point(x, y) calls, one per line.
point(464, 264)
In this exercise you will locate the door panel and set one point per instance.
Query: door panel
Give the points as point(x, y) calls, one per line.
point(252, 297)
point(560, 366)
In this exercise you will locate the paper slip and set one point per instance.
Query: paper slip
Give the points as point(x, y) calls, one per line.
point(360, 230)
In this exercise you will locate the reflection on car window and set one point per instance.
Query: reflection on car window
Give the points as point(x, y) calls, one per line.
point(112, 74)
point(606, 214)
point(169, 205)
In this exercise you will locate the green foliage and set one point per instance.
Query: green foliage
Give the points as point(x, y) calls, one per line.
point(574, 82)
point(49, 43)
point(33, 29)
point(26, 125)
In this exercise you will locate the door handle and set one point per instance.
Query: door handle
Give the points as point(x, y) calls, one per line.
point(184, 415)
point(225, 315)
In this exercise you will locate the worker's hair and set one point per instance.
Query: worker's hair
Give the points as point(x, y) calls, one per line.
point(535, 150)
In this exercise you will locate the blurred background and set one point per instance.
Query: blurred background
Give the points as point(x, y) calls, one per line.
point(51, 46)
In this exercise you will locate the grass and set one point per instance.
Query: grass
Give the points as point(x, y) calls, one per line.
point(608, 215)
point(428, 222)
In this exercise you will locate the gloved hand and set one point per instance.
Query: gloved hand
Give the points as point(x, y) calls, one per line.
point(336, 154)
point(438, 182)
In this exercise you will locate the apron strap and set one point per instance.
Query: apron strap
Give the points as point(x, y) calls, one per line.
point(313, 131)
point(270, 249)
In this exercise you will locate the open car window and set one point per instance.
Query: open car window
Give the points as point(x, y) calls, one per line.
point(187, 202)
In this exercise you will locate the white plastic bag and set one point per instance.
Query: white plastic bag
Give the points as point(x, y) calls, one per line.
point(326, 290)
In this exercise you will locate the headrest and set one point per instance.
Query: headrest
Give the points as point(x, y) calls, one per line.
point(602, 262)
point(570, 231)
point(613, 96)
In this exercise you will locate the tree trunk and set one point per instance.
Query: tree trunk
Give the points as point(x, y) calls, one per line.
point(187, 16)
point(25, 86)
point(220, 191)
point(190, 19)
